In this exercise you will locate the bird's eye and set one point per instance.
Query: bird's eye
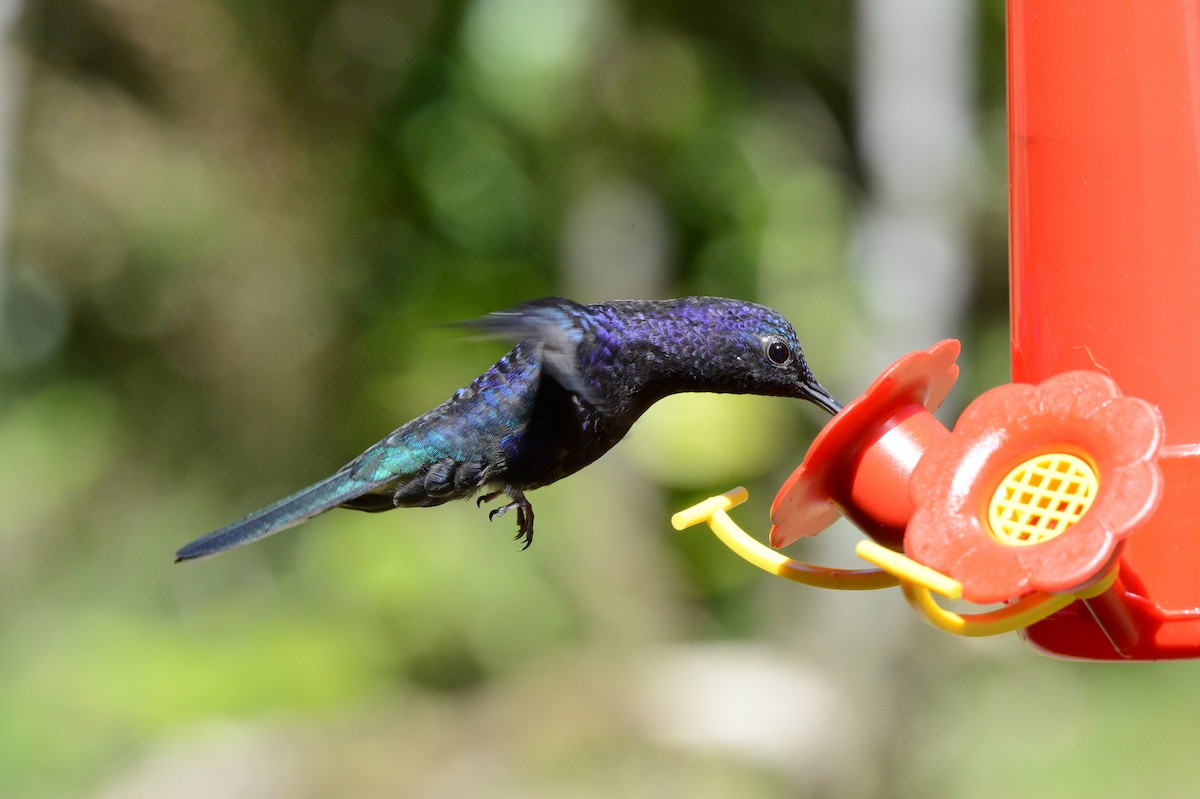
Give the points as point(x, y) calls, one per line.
point(778, 352)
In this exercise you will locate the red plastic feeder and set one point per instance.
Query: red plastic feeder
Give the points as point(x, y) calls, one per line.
point(1068, 502)
point(1027, 502)
point(1104, 215)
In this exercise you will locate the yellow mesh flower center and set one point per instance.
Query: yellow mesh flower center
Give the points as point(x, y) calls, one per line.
point(1041, 498)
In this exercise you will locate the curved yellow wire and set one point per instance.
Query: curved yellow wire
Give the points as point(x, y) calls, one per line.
point(713, 511)
point(920, 583)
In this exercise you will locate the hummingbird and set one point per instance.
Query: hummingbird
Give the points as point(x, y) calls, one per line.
point(573, 385)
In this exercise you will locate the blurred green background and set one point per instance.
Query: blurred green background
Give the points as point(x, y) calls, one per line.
point(234, 232)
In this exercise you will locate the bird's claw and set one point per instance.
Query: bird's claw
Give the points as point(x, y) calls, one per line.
point(487, 498)
point(524, 515)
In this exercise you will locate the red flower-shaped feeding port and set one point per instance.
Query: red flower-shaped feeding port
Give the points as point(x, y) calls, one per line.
point(1036, 487)
point(860, 463)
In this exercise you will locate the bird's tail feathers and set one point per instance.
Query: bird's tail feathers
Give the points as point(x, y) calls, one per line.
point(301, 506)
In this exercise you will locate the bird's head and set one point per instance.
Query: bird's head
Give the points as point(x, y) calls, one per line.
point(728, 346)
point(761, 353)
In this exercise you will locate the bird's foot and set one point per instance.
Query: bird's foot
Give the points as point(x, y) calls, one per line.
point(524, 514)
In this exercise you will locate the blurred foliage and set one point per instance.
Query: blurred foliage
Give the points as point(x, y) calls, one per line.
point(237, 231)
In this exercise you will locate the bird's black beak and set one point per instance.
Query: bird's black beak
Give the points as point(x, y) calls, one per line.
point(816, 393)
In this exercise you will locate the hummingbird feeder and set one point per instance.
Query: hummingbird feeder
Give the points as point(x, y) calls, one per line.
point(1069, 497)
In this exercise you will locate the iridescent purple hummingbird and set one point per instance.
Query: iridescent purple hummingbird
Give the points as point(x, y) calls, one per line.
point(577, 380)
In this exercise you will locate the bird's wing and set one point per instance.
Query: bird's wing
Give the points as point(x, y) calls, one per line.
point(557, 326)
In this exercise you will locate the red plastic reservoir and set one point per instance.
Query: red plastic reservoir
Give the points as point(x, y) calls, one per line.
point(1104, 127)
